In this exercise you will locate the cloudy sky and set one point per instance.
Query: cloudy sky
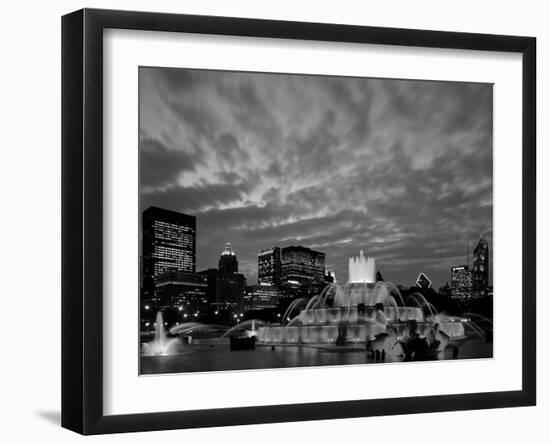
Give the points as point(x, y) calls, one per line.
point(401, 169)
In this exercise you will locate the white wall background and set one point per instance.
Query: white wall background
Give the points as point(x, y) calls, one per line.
point(30, 217)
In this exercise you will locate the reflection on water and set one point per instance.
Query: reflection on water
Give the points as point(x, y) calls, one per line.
point(217, 357)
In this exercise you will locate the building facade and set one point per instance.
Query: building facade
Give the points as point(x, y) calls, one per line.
point(262, 296)
point(169, 244)
point(231, 290)
point(461, 283)
point(212, 277)
point(231, 284)
point(269, 266)
point(182, 290)
point(480, 271)
point(302, 266)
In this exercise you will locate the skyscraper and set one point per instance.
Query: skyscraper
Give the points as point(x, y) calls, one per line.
point(461, 283)
point(269, 266)
point(231, 283)
point(423, 282)
point(228, 263)
point(302, 266)
point(169, 244)
point(480, 271)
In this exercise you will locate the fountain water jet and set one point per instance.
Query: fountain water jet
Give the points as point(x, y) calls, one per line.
point(325, 293)
point(161, 345)
point(253, 323)
point(194, 328)
point(292, 306)
point(314, 300)
point(362, 269)
point(393, 290)
point(477, 330)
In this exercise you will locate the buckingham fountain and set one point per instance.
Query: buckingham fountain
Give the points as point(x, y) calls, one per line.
point(362, 320)
point(368, 313)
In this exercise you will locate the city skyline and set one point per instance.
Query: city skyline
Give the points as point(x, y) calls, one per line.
point(401, 169)
point(228, 252)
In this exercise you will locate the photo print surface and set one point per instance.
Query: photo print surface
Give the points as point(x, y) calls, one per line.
point(299, 220)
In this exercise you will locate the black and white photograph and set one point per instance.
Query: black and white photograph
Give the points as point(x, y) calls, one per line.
point(271, 221)
point(302, 220)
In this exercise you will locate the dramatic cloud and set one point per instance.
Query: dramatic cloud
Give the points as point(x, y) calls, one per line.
point(401, 169)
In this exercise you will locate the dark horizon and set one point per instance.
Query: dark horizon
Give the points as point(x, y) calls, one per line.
point(401, 169)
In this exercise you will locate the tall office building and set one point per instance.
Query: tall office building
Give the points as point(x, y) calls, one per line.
point(231, 284)
point(169, 244)
point(269, 266)
point(302, 266)
point(423, 282)
point(461, 283)
point(228, 263)
point(480, 271)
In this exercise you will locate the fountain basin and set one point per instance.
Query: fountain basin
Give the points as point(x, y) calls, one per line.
point(353, 314)
point(355, 332)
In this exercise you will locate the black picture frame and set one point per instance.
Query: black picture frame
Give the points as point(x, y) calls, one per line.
point(82, 220)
